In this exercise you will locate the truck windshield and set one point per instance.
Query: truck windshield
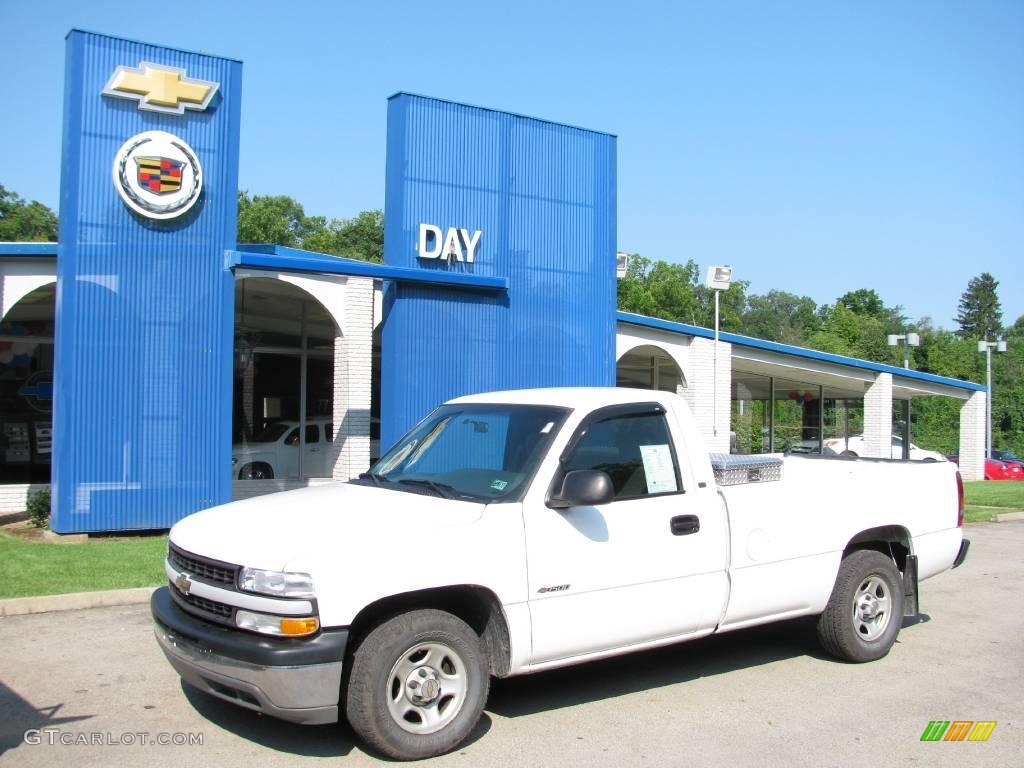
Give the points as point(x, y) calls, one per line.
point(486, 452)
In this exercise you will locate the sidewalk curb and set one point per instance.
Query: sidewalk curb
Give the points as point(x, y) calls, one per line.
point(20, 606)
point(1007, 517)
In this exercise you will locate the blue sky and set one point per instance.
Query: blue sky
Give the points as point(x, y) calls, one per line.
point(817, 147)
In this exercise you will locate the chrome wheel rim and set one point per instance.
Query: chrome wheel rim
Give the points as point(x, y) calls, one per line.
point(426, 688)
point(871, 608)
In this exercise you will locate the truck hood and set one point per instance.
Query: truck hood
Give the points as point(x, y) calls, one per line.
point(252, 450)
point(269, 531)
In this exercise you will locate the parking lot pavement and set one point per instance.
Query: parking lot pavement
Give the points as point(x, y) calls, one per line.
point(764, 697)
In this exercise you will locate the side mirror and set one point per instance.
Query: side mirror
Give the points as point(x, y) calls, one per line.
point(583, 488)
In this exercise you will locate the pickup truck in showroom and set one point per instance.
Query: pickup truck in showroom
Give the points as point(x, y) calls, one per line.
point(515, 532)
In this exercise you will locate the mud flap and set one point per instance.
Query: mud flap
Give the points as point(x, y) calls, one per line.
point(910, 603)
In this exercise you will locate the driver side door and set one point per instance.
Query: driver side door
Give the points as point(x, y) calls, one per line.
point(647, 566)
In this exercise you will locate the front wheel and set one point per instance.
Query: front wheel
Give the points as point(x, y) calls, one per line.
point(256, 471)
point(417, 685)
point(864, 613)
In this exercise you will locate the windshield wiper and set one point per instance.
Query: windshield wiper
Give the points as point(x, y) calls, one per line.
point(441, 489)
point(377, 477)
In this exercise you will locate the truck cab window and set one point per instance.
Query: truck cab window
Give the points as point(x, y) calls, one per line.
point(635, 451)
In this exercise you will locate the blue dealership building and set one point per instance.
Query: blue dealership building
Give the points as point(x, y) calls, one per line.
point(151, 366)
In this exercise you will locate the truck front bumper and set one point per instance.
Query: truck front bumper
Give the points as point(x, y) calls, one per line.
point(295, 679)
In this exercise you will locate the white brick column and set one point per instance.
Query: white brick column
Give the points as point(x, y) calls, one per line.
point(972, 437)
point(878, 418)
point(353, 362)
point(700, 391)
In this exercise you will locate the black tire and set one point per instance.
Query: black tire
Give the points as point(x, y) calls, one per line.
point(851, 454)
point(256, 471)
point(376, 691)
point(849, 634)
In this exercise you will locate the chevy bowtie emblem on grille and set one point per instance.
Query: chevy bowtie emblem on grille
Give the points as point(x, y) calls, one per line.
point(183, 583)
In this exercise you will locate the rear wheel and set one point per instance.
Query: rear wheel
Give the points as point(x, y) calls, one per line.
point(864, 613)
point(417, 685)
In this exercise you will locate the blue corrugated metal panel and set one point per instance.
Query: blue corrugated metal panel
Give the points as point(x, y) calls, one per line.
point(142, 384)
point(789, 349)
point(29, 249)
point(543, 196)
point(278, 257)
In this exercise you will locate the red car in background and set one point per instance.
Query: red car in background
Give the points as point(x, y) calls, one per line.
point(1008, 457)
point(997, 470)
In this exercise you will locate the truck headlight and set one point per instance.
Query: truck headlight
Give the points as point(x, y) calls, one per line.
point(276, 583)
point(283, 626)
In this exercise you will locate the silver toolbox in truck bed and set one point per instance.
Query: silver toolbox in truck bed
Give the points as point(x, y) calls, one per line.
point(737, 469)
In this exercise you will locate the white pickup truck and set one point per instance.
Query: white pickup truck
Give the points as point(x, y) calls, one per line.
point(514, 532)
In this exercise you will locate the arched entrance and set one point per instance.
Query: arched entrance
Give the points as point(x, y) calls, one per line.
point(649, 367)
point(284, 368)
point(26, 387)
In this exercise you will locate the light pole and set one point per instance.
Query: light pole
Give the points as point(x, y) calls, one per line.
point(987, 347)
point(718, 280)
point(909, 340)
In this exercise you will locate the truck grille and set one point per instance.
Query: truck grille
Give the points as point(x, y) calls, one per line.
point(202, 568)
point(211, 610)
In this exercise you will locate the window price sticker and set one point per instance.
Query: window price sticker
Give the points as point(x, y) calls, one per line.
point(661, 474)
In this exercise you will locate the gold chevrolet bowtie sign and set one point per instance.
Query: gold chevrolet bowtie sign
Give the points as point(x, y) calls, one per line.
point(160, 89)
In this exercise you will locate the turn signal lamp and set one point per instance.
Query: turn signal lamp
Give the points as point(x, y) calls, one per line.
point(295, 627)
point(282, 626)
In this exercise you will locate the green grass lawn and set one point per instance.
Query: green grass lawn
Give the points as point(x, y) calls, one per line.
point(49, 568)
point(1008, 495)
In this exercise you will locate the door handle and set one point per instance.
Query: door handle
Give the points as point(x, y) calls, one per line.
point(684, 525)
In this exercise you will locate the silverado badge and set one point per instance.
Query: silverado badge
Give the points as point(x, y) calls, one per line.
point(183, 583)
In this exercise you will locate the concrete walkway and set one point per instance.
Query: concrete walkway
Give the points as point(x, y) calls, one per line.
point(19, 606)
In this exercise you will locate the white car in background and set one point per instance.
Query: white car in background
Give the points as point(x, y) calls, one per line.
point(274, 451)
point(854, 446)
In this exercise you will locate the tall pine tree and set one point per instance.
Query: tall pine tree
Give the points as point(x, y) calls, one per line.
point(980, 316)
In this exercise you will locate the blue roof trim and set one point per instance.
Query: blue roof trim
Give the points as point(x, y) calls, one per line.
point(151, 45)
point(268, 256)
point(789, 349)
point(396, 94)
point(29, 249)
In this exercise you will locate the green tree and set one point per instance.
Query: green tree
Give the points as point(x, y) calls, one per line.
point(282, 220)
point(980, 315)
point(1008, 388)
point(361, 237)
point(781, 316)
point(674, 292)
point(274, 219)
point(21, 221)
point(863, 301)
point(659, 289)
